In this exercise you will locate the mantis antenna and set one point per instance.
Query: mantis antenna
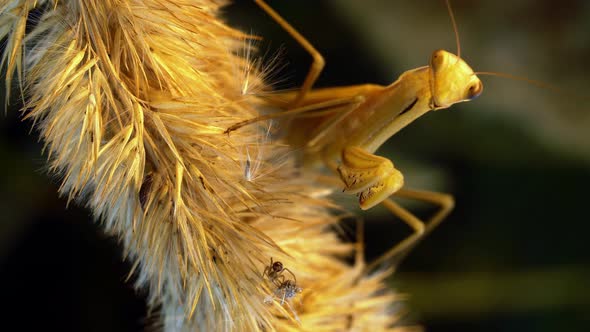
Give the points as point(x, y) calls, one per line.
point(537, 83)
point(455, 29)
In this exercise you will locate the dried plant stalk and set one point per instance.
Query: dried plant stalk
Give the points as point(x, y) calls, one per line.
point(131, 98)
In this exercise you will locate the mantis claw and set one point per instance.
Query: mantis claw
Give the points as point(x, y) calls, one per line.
point(374, 177)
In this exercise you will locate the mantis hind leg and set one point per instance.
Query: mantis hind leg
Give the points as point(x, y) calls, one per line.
point(318, 60)
point(445, 203)
point(328, 107)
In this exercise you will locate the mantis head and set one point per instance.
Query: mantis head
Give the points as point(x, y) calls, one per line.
point(452, 80)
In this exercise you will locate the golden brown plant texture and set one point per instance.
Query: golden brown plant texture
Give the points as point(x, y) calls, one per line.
point(131, 98)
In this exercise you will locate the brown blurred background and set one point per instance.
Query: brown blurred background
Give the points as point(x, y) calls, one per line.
point(512, 256)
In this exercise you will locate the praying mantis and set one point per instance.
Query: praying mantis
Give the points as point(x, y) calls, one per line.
point(342, 127)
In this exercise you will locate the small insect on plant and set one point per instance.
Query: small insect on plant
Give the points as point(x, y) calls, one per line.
point(274, 272)
point(286, 289)
point(342, 127)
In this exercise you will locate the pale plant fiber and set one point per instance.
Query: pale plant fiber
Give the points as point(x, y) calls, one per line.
point(131, 99)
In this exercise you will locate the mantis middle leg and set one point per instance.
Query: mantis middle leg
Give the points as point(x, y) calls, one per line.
point(445, 203)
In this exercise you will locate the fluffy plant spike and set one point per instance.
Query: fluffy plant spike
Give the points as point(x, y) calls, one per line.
point(131, 98)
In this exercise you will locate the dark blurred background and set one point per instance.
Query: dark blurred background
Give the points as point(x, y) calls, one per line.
point(511, 257)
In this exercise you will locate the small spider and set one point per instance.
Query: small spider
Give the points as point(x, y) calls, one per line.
point(286, 289)
point(274, 273)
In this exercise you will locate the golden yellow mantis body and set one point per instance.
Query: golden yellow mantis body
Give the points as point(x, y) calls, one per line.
point(344, 126)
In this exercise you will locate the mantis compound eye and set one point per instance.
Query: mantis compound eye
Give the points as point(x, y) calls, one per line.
point(474, 90)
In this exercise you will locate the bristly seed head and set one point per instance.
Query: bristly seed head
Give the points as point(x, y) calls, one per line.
point(132, 98)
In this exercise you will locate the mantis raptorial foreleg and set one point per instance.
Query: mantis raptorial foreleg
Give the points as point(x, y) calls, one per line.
point(318, 60)
point(372, 177)
point(375, 179)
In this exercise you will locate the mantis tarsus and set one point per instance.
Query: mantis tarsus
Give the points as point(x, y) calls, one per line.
point(350, 123)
